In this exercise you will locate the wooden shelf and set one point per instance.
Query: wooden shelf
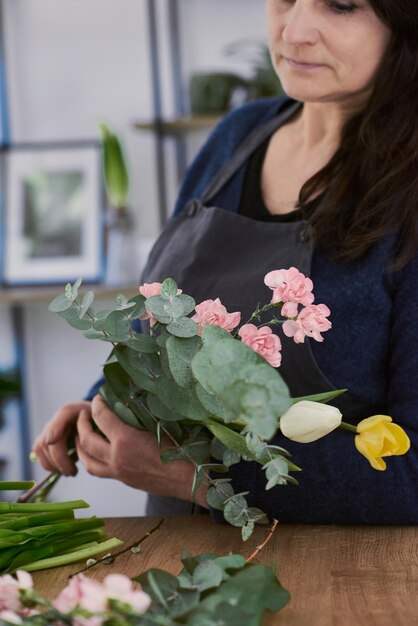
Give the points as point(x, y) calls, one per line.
point(33, 295)
point(180, 125)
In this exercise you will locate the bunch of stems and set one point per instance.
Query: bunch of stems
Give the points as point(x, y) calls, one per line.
point(40, 535)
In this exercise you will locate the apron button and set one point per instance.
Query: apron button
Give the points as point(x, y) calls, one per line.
point(192, 208)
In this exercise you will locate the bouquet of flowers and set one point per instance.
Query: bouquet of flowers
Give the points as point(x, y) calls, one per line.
point(210, 383)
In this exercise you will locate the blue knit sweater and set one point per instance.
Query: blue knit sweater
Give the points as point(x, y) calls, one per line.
point(372, 350)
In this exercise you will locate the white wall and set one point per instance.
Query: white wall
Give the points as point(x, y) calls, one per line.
point(72, 63)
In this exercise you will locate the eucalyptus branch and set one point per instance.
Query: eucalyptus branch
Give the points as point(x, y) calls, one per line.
point(108, 559)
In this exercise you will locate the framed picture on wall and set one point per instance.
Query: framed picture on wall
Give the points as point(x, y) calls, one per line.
point(52, 217)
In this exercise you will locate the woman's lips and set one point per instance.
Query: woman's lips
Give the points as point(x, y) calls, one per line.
point(302, 65)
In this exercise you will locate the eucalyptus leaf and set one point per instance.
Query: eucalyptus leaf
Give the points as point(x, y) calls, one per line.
point(207, 575)
point(159, 409)
point(156, 305)
point(182, 400)
point(134, 366)
point(213, 404)
point(218, 495)
point(182, 327)
point(169, 289)
point(60, 303)
point(118, 324)
point(142, 343)
point(180, 353)
point(84, 324)
point(86, 303)
point(235, 510)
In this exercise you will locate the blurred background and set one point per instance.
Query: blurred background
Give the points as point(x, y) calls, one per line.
point(160, 73)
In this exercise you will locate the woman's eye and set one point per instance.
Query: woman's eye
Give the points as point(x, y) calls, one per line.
point(343, 7)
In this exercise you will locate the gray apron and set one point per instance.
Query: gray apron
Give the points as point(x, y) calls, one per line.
point(213, 253)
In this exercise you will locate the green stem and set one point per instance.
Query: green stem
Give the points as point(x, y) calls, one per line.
point(350, 427)
point(9, 485)
point(41, 507)
point(73, 557)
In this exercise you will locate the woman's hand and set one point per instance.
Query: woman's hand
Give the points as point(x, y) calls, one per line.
point(131, 456)
point(51, 446)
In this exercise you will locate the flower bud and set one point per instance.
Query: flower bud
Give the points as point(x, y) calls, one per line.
point(308, 421)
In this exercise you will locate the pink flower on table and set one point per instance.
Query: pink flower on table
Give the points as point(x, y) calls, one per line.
point(213, 313)
point(291, 287)
point(311, 322)
point(147, 290)
point(11, 588)
point(93, 596)
point(10, 617)
point(263, 341)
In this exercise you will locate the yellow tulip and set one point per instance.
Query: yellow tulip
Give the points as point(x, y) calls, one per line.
point(378, 437)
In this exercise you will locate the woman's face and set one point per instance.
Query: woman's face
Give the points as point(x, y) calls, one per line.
point(326, 50)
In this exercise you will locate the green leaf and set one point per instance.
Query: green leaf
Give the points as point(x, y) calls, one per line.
point(142, 343)
point(213, 404)
point(217, 496)
point(180, 353)
point(247, 530)
point(229, 437)
point(139, 309)
point(60, 303)
point(207, 575)
point(158, 409)
point(231, 457)
point(277, 472)
point(169, 289)
point(182, 327)
point(84, 324)
point(126, 415)
point(320, 397)
point(187, 302)
point(157, 306)
point(235, 510)
point(118, 324)
point(86, 303)
point(134, 365)
point(178, 399)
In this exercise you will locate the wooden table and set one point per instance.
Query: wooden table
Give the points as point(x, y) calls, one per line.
point(337, 575)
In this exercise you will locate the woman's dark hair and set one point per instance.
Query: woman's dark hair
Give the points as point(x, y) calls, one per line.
point(371, 182)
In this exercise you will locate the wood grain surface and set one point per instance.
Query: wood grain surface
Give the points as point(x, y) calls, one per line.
point(337, 575)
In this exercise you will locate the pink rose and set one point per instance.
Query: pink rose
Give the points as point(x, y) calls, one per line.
point(147, 290)
point(119, 587)
point(213, 313)
point(263, 341)
point(291, 287)
point(311, 321)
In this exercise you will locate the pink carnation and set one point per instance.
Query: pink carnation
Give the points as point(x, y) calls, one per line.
point(147, 290)
point(213, 313)
point(93, 596)
point(311, 322)
point(291, 287)
point(10, 590)
point(263, 341)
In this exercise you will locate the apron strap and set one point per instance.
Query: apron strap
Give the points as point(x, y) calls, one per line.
point(244, 150)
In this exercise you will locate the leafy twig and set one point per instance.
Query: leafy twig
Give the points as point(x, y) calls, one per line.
point(111, 558)
point(265, 542)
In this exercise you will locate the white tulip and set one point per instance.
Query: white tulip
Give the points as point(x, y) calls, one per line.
point(308, 421)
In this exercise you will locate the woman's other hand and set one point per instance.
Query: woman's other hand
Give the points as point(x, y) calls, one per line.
point(131, 456)
point(51, 446)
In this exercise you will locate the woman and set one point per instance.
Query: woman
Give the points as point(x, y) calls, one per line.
point(324, 180)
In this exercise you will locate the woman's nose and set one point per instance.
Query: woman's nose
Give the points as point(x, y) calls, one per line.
point(300, 24)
